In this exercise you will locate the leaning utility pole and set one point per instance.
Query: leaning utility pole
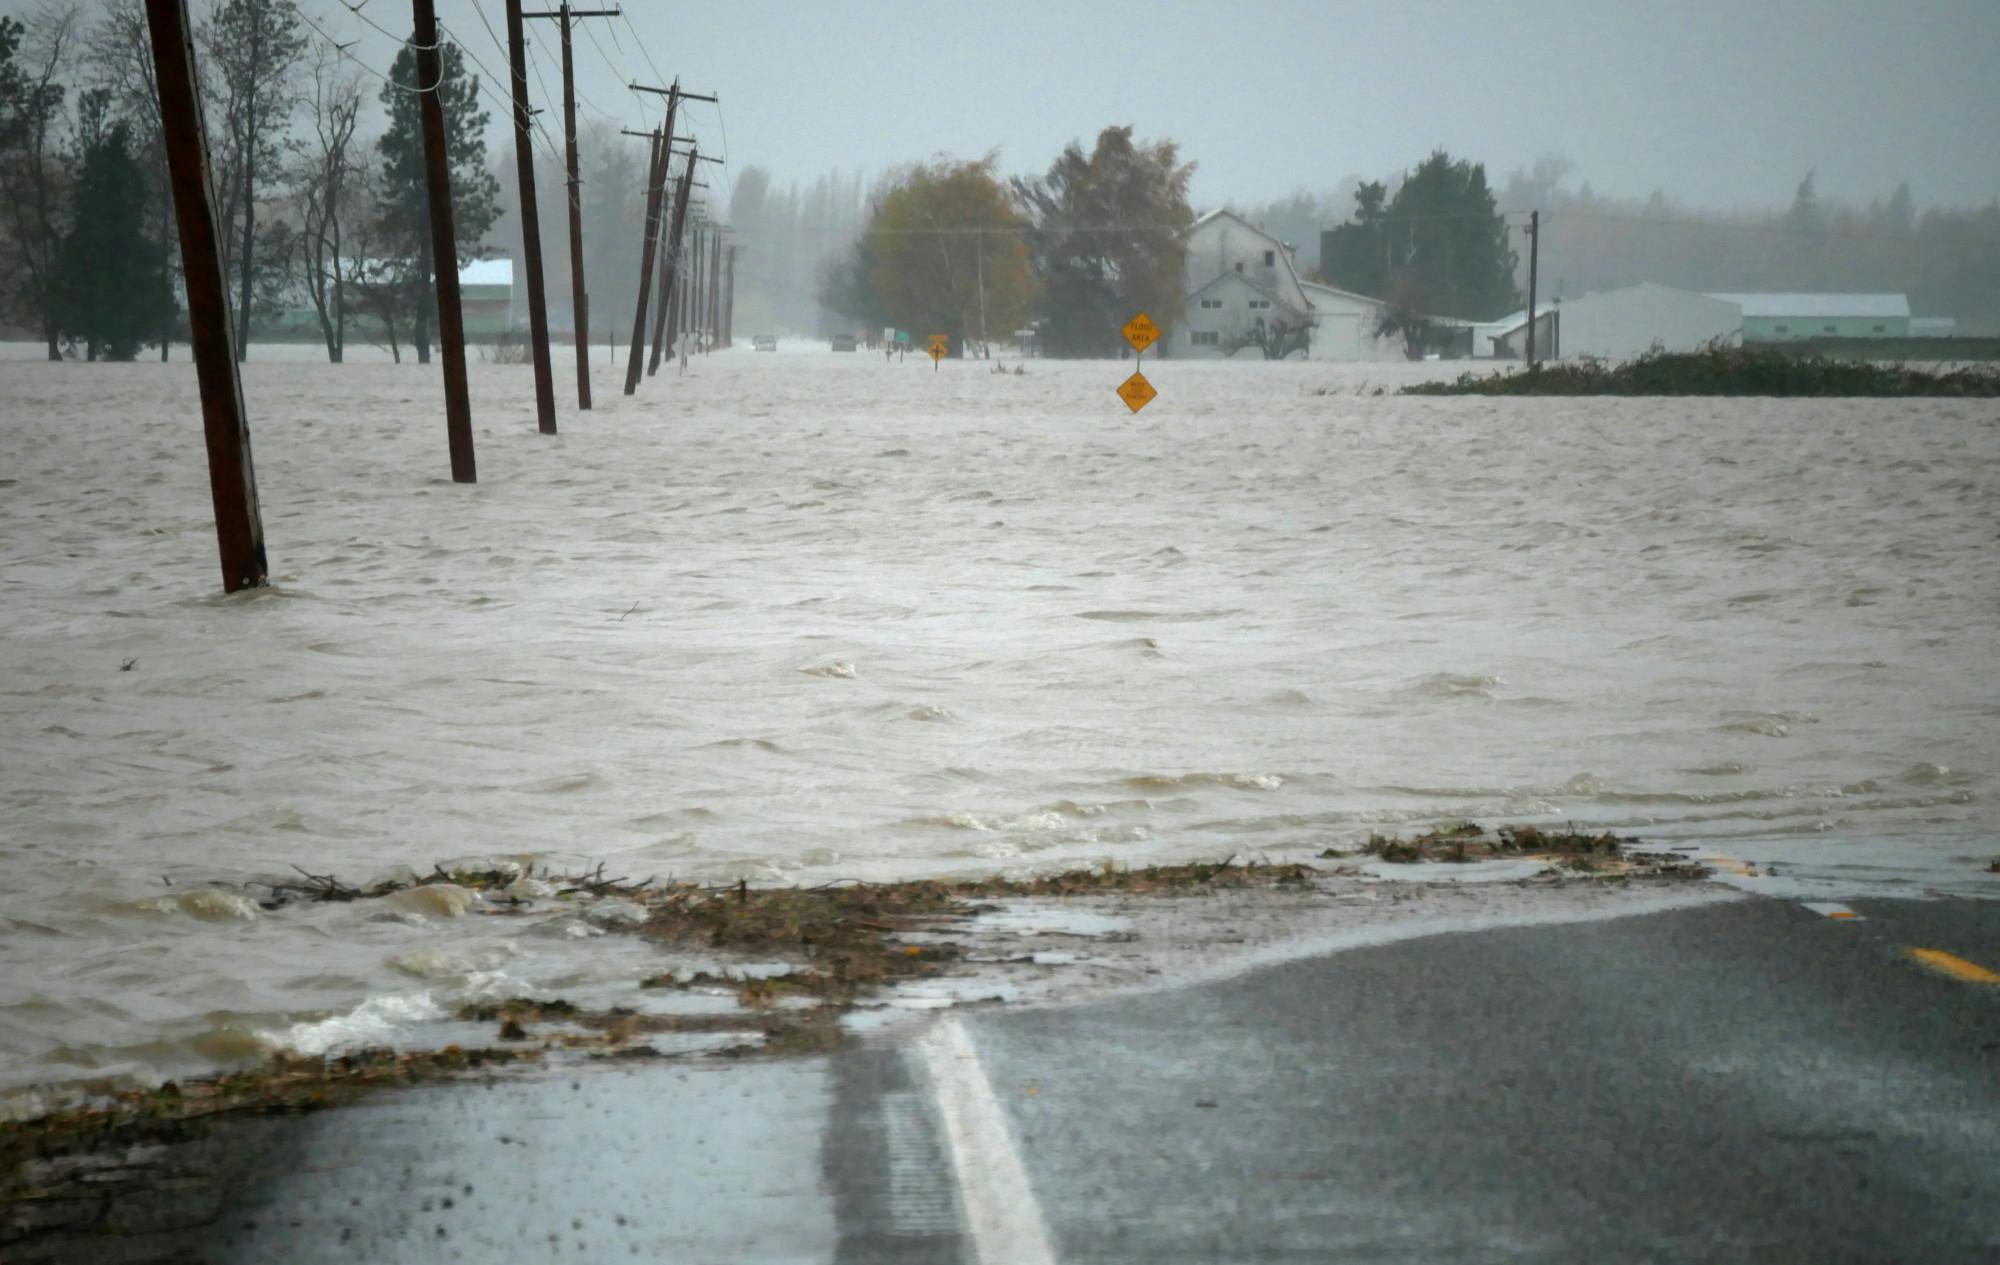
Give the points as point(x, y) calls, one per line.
point(649, 241)
point(444, 245)
point(232, 479)
point(531, 226)
point(670, 298)
point(666, 283)
point(1534, 263)
point(579, 293)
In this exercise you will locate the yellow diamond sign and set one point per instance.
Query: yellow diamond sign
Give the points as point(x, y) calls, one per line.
point(1141, 333)
point(1136, 392)
point(940, 346)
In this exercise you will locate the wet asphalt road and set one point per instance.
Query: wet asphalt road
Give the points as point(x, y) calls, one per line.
point(1749, 1081)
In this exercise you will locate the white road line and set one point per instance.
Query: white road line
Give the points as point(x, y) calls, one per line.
point(1830, 909)
point(1000, 1209)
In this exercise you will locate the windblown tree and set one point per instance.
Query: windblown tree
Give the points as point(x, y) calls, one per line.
point(254, 47)
point(1109, 239)
point(112, 288)
point(943, 254)
point(1441, 231)
point(121, 61)
point(401, 280)
point(323, 187)
point(33, 175)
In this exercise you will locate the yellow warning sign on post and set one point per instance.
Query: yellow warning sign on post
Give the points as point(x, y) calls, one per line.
point(1141, 333)
point(1136, 392)
point(940, 346)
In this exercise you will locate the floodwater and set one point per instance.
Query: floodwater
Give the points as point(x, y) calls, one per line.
point(804, 616)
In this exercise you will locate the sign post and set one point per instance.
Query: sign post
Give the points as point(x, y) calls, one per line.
point(1135, 390)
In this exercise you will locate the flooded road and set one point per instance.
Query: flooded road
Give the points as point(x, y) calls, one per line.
point(803, 617)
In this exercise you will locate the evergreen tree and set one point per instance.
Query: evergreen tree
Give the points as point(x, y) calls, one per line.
point(1440, 244)
point(1109, 240)
point(112, 285)
point(403, 196)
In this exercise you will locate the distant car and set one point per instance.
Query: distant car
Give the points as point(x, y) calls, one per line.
point(843, 342)
point(764, 342)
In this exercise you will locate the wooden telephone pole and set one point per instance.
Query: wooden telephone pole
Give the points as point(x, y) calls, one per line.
point(729, 299)
point(232, 479)
point(1534, 265)
point(649, 241)
point(531, 225)
point(715, 288)
point(444, 245)
point(579, 292)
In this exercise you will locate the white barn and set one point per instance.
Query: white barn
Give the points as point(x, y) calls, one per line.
point(1624, 323)
point(1240, 278)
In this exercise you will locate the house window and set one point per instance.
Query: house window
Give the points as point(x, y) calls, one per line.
point(1239, 265)
point(1205, 338)
point(1259, 304)
point(1881, 329)
point(1270, 259)
point(1211, 303)
point(1784, 329)
point(1829, 329)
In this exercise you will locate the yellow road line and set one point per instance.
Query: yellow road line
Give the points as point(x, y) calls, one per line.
point(1953, 965)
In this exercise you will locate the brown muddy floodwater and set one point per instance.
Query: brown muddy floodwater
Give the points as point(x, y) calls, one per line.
point(805, 616)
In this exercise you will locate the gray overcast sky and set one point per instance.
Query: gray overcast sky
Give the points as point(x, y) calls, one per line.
point(1719, 103)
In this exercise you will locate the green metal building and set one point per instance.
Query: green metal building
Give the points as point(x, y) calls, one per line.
point(1785, 318)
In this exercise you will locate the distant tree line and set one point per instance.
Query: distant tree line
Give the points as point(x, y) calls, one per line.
point(311, 212)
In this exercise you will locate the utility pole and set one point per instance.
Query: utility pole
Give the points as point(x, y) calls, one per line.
point(531, 225)
point(666, 278)
point(715, 287)
point(579, 292)
point(444, 245)
point(676, 282)
point(729, 300)
point(649, 241)
point(981, 239)
point(674, 95)
point(671, 301)
point(1534, 264)
point(232, 479)
point(696, 313)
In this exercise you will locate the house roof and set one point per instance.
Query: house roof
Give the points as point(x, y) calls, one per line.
point(487, 272)
point(1243, 279)
point(1818, 305)
point(1311, 286)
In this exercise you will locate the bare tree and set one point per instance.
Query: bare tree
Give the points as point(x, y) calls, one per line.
point(1406, 316)
point(255, 47)
point(121, 57)
point(33, 175)
point(1277, 340)
point(323, 187)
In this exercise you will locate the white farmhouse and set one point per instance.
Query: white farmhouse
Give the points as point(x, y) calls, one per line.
point(1243, 286)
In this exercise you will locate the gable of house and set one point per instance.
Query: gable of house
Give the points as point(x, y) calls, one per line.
point(1224, 243)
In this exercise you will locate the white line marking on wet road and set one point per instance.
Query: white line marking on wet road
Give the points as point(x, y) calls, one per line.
point(1000, 1210)
point(1839, 913)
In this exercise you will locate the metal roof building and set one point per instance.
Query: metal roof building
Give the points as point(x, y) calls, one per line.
point(1777, 318)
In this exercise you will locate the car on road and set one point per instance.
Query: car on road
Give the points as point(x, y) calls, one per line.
point(764, 342)
point(843, 342)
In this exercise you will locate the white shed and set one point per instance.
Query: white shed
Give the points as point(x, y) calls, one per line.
point(1344, 326)
point(1624, 323)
